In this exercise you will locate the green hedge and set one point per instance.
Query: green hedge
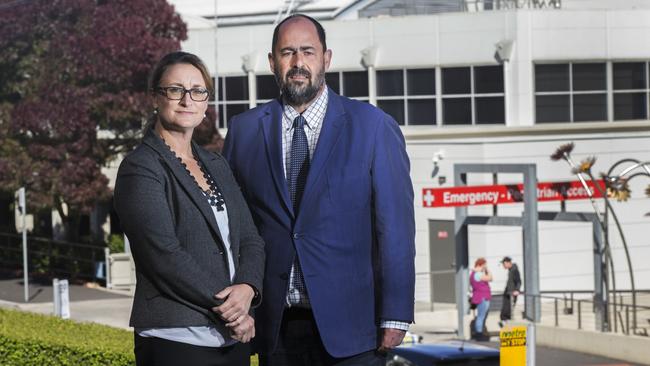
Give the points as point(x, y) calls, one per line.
point(28, 339)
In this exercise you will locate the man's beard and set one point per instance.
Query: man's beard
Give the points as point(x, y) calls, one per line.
point(299, 94)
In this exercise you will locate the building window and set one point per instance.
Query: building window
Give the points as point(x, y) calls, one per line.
point(355, 84)
point(267, 88)
point(333, 81)
point(574, 92)
point(233, 97)
point(408, 95)
point(473, 95)
point(630, 82)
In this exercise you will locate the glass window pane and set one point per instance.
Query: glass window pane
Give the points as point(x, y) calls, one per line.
point(490, 110)
point(332, 80)
point(234, 109)
point(457, 111)
point(220, 88)
point(222, 118)
point(236, 88)
point(589, 77)
point(590, 107)
point(393, 107)
point(456, 80)
point(267, 88)
point(552, 108)
point(421, 81)
point(488, 79)
point(630, 75)
point(552, 77)
point(211, 98)
point(630, 106)
point(390, 82)
point(422, 111)
point(355, 83)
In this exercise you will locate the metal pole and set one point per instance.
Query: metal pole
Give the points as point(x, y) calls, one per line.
point(556, 315)
point(107, 271)
point(530, 344)
point(579, 314)
point(22, 203)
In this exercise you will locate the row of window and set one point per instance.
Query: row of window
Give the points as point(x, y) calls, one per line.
point(577, 92)
point(475, 95)
point(470, 95)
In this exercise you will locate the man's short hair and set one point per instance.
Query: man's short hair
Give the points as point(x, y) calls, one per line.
point(319, 29)
point(506, 259)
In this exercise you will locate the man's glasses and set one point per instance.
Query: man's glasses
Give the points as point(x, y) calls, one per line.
point(178, 93)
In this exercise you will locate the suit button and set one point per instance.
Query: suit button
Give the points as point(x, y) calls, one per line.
point(296, 235)
point(284, 276)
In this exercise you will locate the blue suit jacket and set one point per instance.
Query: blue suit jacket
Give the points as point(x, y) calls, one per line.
point(354, 232)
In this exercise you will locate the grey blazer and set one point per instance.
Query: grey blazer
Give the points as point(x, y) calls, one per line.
point(179, 255)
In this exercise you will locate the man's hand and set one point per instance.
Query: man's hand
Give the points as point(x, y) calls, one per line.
point(391, 338)
point(237, 302)
point(515, 293)
point(242, 329)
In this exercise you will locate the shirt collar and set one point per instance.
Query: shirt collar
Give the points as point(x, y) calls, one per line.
point(314, 114)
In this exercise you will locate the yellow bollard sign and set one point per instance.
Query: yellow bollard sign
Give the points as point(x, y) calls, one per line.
point(513, 345)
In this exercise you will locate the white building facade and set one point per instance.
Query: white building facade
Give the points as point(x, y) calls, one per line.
point(488, 83)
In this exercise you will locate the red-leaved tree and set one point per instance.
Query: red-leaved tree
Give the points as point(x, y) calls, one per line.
point(73, 93)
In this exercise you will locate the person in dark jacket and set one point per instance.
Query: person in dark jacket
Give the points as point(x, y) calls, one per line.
point(511, 291)
point(199, 259)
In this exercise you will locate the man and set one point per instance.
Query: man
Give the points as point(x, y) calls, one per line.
point(511, 291)
point(327, 180)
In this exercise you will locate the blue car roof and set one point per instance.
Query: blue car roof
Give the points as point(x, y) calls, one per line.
point(447, 350)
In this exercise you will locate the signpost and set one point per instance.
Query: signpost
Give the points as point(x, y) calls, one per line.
point(504, 193)
point(22, 206)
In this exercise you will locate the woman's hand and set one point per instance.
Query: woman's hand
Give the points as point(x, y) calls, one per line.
point(242, 329)
point(237, 302)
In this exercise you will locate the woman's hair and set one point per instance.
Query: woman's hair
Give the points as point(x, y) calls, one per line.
point(170, 59)
point(175, 58)
point(479, 262)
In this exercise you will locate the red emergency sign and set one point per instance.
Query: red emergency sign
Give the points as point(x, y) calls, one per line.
point(504, 193)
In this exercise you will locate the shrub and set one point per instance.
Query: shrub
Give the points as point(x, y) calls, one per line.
point(28, 339)
point(116, 243)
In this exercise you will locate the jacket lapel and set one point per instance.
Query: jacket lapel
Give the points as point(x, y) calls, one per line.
point(330, 132)
point(272, 127)
point(220, 177)
point(187, 182)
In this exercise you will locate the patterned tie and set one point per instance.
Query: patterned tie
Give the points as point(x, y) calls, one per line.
point(298, 169)
point(298, 163)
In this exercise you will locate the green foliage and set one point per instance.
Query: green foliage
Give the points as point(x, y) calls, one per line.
point(116, 243)
point(28, 339)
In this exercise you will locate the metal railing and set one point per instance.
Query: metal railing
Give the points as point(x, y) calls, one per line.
point(574, 309)
point(52, 257)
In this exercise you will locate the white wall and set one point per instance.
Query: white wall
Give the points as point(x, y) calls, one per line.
point(469, 39)
point(565, 247)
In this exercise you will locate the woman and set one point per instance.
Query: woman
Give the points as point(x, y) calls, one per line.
point(199, 260)
point(479, 279)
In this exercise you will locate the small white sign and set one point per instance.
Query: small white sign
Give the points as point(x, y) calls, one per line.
point(61, 298)
point(64, 297)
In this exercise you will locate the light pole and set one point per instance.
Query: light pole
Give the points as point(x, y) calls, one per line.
point(22, 206)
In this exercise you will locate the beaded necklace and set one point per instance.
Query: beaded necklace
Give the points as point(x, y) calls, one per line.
point(214, 195)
